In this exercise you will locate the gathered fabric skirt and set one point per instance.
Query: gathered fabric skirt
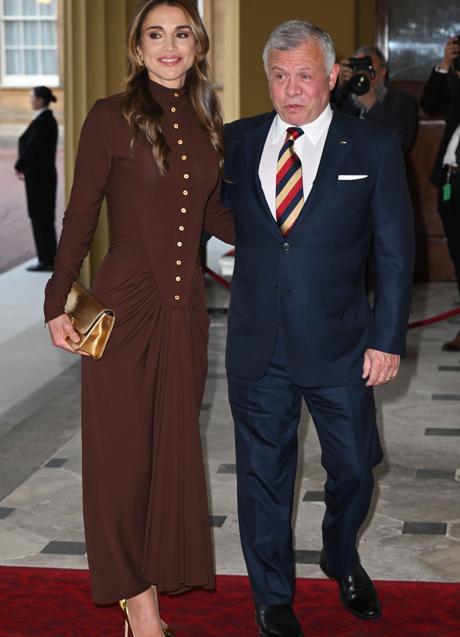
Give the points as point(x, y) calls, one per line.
point(144, 493)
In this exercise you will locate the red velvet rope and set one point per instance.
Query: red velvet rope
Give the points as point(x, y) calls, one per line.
point(434, 319)
point(423, 322)
point(223, 282)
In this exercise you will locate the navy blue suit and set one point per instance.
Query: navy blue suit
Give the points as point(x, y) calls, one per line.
point(299, 324)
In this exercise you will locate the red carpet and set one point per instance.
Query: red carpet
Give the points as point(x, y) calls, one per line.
point(38, 602)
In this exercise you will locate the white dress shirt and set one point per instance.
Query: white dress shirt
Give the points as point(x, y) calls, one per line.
point(309, 148)
point(40, 111)
point(449, 157)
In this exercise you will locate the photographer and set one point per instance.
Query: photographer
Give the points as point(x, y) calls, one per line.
point(362, 91)
point(442, 96)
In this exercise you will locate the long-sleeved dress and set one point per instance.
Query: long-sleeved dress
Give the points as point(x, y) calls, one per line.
point(144, 493)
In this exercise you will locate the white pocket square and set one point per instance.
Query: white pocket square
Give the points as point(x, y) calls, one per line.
point(351, 177)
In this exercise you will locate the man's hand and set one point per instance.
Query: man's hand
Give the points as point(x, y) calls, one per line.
point(380, 367)
point(451, 51)
point(345, 73)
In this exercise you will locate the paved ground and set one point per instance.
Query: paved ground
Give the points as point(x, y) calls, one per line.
point(412, 532)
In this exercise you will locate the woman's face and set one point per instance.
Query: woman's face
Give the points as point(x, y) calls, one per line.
point(167, 45)
point(36, 102)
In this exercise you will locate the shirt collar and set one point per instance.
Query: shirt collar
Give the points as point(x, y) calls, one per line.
point(42, 110)
point(313, 130)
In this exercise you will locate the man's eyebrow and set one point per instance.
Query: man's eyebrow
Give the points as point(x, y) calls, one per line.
point(280, 68)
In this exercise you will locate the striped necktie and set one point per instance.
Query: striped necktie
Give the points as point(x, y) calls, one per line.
point(289, 186)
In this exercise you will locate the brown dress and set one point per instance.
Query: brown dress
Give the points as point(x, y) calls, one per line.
point(144, 492)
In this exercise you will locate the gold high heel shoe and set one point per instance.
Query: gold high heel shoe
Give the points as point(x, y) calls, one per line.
point(129, 631)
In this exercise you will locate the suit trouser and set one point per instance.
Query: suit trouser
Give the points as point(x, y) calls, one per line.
point(41, 204)
point(449, 212)
point(266, 412)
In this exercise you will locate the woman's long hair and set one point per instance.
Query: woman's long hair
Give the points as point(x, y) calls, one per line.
point(143, 112)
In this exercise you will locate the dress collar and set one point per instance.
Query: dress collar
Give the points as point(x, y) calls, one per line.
point(166, 96)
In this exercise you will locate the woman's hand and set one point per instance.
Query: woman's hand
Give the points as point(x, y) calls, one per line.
point(61, 329)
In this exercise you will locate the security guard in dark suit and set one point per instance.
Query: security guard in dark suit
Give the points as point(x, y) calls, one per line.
point(36, 165)
point(442, 95)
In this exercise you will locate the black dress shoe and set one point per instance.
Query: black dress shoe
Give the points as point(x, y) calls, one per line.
point(40, 267)
point(277, 621)
point(357, 591)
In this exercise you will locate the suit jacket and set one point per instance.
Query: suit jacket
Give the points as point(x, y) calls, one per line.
point(37, 145)
point(397, 113)
point(311, 284)
point(441, 96)
point(37, 160)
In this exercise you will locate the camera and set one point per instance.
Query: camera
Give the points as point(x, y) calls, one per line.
point(456, 60)
point(363, 73)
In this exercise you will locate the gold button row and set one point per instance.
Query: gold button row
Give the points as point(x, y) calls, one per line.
point(173, 109)
point(183, 210)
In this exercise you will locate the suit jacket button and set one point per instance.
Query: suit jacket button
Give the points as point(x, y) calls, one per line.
point(286, 246)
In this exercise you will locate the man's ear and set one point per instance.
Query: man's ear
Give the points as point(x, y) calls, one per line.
point(333, 75)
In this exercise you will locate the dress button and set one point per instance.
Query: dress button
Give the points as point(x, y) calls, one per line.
point(177, 297)
point(183, 210)
point(176, 126)
point(180, 142)
point(184, 157)
point(178, 278)
point(185, 193)
point(186, 176)
point(178, 262)
point(179, 244)
point(181, 228)
point(286, 246)
point(176, 94)
point(173, 109)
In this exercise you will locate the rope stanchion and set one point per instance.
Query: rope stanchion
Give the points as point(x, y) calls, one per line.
point(422, 323)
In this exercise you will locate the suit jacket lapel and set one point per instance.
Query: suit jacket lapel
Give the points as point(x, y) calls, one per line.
point(255, 142)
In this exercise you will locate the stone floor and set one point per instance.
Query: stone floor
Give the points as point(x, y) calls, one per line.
point(412, 532)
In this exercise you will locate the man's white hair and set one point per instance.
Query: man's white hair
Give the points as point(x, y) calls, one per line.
point(291, 34)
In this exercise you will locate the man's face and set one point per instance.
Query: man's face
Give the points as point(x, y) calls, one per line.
point(380, 72)
point(299, 83)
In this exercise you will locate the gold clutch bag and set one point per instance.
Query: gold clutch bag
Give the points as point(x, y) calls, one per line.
point(92, 321)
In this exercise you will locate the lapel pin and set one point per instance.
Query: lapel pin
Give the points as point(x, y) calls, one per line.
point(343, 141)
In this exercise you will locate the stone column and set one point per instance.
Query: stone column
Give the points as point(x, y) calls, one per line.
point(94, 63)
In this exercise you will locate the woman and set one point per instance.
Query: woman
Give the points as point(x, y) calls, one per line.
point(36, 165)
point(154, 152)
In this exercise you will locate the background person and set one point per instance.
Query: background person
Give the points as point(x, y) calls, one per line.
point(442, 96)
point(392, 109)
point(311, 191)
point(154, 153)
point(36, 164)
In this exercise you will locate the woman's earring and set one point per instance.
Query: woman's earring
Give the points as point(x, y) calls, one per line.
point(140, 58)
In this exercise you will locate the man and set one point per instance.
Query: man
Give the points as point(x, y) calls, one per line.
point(442, 95)
point(392, 109)
point(311, 190)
